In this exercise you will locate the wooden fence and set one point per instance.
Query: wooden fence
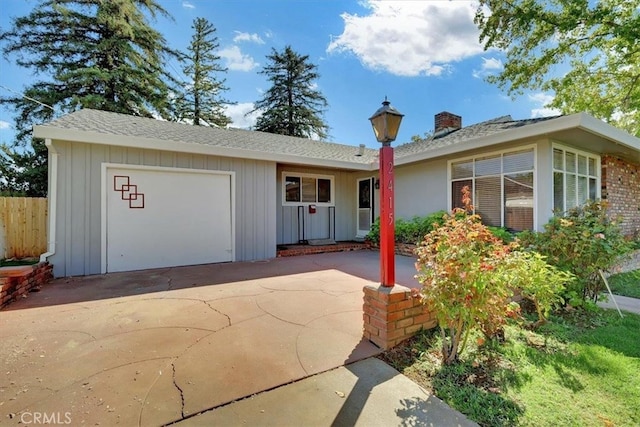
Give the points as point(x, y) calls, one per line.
point(23, 227)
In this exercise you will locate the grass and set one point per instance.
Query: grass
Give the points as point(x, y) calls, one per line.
point(626, 284)
point(17, 262)
point(579, 369)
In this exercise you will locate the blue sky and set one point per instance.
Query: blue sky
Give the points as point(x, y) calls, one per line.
point(423, 55)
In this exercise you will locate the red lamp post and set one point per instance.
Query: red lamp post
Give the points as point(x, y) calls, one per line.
point(386, 123)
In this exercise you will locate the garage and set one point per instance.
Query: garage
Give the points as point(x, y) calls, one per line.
point(165, 217)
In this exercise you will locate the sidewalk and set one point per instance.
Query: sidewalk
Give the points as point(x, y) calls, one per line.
point(631, 305)
point(367, 393)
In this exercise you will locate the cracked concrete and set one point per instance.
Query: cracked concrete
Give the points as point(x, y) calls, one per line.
point(158, 346)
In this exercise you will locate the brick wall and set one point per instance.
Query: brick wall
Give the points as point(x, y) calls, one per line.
point(18, 281)
point(621, 189)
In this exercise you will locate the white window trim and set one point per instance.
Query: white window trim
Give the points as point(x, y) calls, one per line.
point(495, 153)
point(577, 152)
point(331, 179)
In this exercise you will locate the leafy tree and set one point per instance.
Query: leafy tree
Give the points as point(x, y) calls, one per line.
point(292, 106)
point(88, 53)
point(24, 173)
point(600, 41)
point(201, 99)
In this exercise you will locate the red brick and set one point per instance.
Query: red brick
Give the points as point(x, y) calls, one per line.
point(400, 295)
point(410, 330)
point(414, 311)
point(404, 322)
point(402, 305)
point(378, 323)
point(391, 335)
point(423, 318)
point(372, 330)
point(396, 315)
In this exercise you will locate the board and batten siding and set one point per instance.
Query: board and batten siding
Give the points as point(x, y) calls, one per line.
point(78, 216)
point(317, 226)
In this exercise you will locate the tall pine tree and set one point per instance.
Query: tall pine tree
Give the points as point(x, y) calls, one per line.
point(88, 53)
point(201, 101)
point(292, 106)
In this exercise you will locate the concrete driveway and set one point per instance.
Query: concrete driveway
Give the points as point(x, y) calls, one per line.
point(159, 346)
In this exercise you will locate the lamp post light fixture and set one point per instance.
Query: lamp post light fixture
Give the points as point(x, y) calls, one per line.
point(386, 123)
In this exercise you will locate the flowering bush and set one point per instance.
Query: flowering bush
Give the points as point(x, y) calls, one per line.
point(459, 266)
point(582, 241)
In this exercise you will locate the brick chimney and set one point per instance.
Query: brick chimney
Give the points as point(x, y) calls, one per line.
point(447, 120)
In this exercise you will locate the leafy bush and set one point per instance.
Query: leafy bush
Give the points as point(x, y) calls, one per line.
point(458, 265)
point(409, 231)
point(502, 233)
point(582, 242)
point(538, 281)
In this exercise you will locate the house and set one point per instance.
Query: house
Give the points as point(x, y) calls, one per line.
point(129, 193)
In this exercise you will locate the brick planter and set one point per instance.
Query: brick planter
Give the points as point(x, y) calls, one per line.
point(391, 315)
point(18, 281)
point(406, 249)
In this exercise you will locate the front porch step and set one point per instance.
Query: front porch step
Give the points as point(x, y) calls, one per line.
point(295, 250)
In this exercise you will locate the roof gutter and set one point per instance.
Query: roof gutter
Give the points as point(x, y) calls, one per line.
point(574, 121)
point(53, 200)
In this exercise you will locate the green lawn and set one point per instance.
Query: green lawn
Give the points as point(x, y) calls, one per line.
point(626, 284)
point(13, 263)
point(577, 370)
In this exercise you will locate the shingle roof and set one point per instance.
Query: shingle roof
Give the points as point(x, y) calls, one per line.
point(109, 123)
point(116, 124)
point(468, 133)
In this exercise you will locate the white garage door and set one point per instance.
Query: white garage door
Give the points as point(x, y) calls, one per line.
point(162, 217)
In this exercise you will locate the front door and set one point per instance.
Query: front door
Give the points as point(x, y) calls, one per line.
point(365, 206)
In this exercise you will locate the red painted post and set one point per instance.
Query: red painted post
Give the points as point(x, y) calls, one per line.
point(387, 220)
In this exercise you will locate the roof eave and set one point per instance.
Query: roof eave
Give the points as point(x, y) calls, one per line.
point(74, 135)
point(580, 120)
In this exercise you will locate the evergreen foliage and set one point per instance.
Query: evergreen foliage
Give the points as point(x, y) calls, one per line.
point(201, 101)
point(87, 54)
point(292, 106)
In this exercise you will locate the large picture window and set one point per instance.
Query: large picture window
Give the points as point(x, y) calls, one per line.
point(576, 178)
point(307, 189)
point(501, 185)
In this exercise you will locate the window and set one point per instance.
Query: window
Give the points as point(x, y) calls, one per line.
point(307, 189)
point(576, 178)
point(501, 187)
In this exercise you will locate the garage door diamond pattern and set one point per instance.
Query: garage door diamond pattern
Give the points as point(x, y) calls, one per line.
point(128, 191)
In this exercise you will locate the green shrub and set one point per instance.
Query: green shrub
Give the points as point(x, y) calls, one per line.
point(582, 242)
point(539, 282)
point(458, 266)
point(409, 231)
point(502, 233)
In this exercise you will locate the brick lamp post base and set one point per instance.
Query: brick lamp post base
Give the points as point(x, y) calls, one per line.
point(393, 314)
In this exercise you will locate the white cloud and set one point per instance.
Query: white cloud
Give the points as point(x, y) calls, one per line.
point(489, 66)
point(4, 125)
point(236, 60)
point(238, 118)
point(410, 38)
point(188, 5)
point(246, 37)
point(543, 100)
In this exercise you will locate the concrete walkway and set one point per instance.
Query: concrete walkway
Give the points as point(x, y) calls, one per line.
point(162, 346)
point(631, 305)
